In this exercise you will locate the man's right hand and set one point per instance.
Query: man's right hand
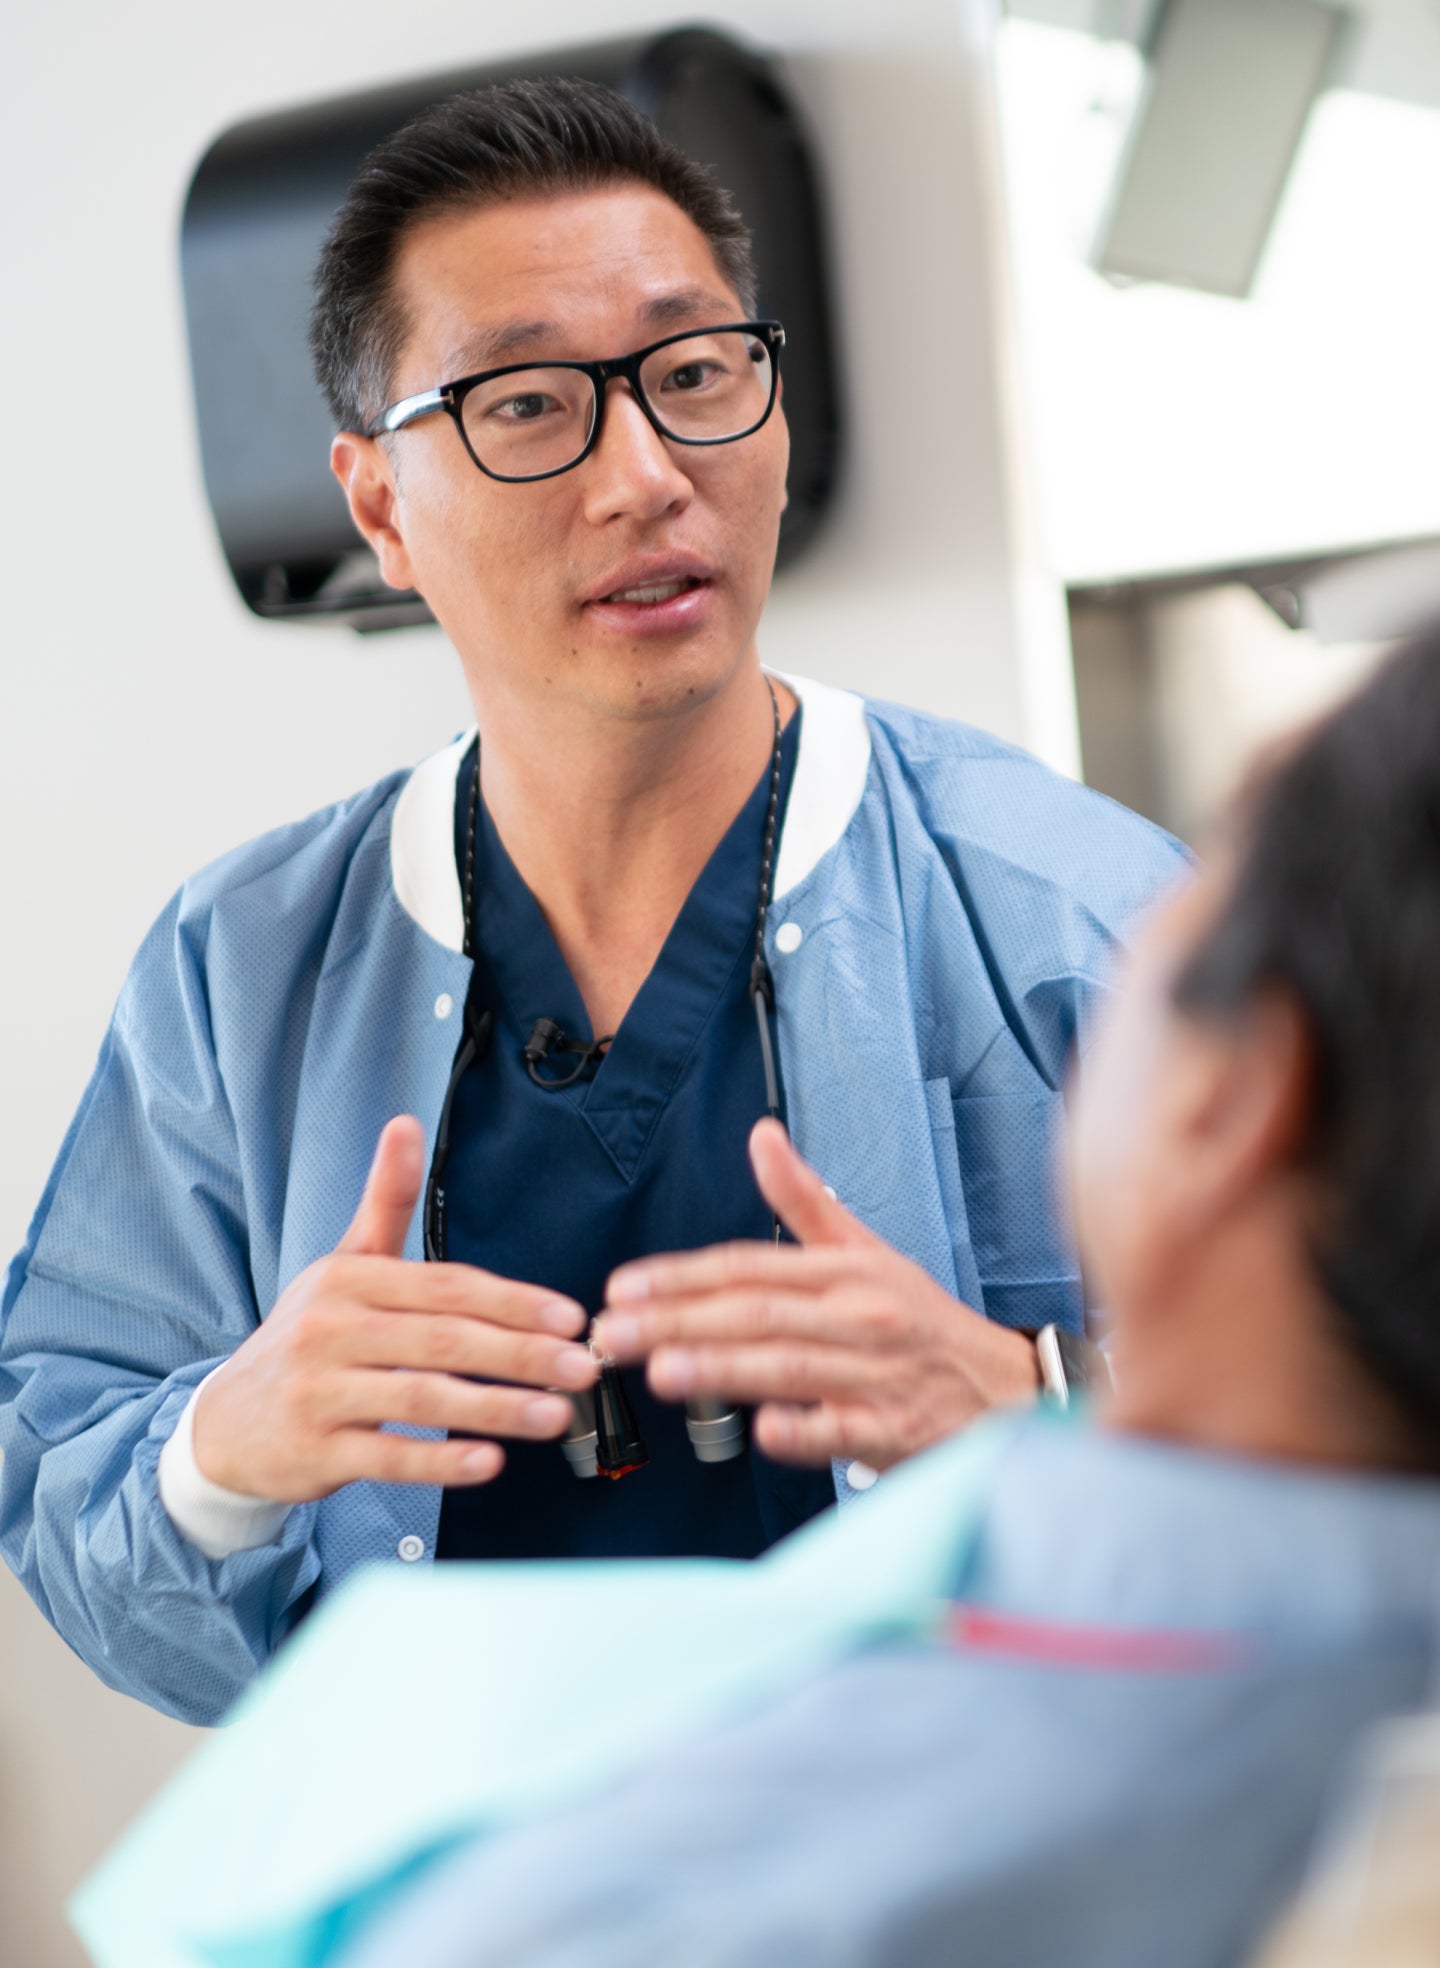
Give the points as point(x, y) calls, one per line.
point(363, 1337)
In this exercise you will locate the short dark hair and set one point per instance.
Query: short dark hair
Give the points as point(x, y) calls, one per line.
point(1336, 900)
point(513, 140)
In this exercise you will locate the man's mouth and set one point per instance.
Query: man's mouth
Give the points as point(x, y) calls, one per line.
point(655, 592)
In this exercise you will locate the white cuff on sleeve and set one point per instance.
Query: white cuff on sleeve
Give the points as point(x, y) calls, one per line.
point(218, 1521)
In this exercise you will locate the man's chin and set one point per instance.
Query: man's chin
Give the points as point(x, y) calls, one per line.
point(653, 679)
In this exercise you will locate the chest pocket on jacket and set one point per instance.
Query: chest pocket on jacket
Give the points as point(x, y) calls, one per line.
point(1007, 1146)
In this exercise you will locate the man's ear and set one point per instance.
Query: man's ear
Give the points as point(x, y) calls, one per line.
point(367, 479)
point(1250, 1102)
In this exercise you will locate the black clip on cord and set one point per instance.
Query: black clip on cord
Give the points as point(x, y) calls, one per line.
point(548, 1037)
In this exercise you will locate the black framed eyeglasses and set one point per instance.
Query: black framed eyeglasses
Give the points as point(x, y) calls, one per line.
point(532, 420)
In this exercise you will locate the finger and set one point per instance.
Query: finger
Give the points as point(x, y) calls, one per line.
point(782, 1371)
point(430, 1400)
point(392, 1189)
point(855, 1318)
point(796, 1194)
point(460, 1291)
point(364, 1455)
point(466, 1347)
point(812, 1437)
point(719, 1267)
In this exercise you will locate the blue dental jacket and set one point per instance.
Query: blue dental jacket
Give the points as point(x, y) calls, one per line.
point(946, 912)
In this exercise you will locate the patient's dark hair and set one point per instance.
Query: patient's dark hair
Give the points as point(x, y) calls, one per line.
point(1337, 900)
point(514, 140)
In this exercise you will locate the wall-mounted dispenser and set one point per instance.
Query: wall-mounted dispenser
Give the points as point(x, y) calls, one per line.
point(258, 208)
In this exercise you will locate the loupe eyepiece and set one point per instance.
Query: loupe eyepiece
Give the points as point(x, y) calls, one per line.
point(581, 1443)
point(716, 1430)
point(604, 1437)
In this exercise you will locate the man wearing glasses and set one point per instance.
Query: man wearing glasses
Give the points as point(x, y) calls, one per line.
point(556, 973)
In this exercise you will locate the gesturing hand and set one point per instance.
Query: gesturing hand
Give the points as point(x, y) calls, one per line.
point(847, 1347)
point(363, 1337)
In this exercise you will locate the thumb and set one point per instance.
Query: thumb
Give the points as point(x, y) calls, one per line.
point(796, 1194)
point(392, 1190)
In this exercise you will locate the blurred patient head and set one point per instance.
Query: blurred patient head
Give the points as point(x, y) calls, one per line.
point(1256, 1154)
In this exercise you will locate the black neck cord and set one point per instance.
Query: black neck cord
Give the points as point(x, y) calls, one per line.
point(479, 1027)
point(762, 984)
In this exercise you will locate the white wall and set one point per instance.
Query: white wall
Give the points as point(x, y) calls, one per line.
point(147, 722)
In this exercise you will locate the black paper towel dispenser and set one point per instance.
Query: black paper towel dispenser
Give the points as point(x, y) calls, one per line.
point(259, 206)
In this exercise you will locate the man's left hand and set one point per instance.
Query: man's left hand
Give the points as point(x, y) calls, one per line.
point(844, 1347)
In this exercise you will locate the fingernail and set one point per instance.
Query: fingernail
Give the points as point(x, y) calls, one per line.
point(486, 1461)
point(561, 1315)
point(617, 1334)
point(778, 1429)
point(672, 1370)
point(627, 1287)
point(574, 1367)
point(547, 1412)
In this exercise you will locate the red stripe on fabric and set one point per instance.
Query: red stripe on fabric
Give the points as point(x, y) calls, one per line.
point(1129, 1649)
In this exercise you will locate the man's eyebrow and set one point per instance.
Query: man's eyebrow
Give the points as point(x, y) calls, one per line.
point(687, 304)
point(492, 348)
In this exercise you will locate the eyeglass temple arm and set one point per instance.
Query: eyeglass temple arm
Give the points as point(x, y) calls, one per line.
point(408, 409)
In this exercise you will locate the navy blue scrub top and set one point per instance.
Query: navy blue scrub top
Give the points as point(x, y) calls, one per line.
point(647, 1154)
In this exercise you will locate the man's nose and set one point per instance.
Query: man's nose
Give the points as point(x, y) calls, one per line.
point(632, 470)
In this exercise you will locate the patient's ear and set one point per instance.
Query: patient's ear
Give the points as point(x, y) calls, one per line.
point(367, 479)
point(1245, 1103)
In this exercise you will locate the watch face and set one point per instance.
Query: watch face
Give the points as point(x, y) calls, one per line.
point(1083, 1362)
point(1070, 1364)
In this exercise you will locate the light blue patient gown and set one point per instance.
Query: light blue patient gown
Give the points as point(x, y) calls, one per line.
point(1157, 1665)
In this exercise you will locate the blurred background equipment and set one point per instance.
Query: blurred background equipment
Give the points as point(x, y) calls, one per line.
point(1181, 679)
point(1230, 86)
point(1220, 222)
point(258, 208)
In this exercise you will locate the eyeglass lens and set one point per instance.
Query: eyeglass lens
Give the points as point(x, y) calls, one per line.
point(704, 389)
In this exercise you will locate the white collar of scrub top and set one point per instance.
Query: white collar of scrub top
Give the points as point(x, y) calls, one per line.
point(830, 775)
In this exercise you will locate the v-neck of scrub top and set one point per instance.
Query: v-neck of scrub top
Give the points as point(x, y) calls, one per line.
point(645, 1153)
point(621, 1099)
